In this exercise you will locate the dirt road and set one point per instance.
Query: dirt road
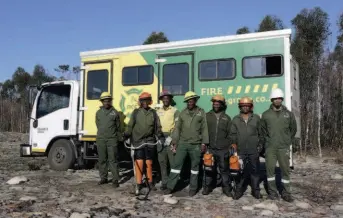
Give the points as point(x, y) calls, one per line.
point(316, 186)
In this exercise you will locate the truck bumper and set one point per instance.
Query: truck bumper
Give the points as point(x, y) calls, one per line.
point(25, 150)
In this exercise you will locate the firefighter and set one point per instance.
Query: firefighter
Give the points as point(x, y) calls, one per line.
point(247, 138)
point(108, 125)
point(168, 116)
point(143, 127)
point(279, 127)
point(190, 137)
point(218, 123)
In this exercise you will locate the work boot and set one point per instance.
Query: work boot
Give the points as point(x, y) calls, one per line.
point(152, 186)
point(103, 181)
point(227, 192)
point(287, 197)
point(238, 194)
point(167, 191)
point(256, 194)
point(273, 196)
point(115, 184)
point(206, 191)
point(192, 193)
point(163, 187)
point(139, 188)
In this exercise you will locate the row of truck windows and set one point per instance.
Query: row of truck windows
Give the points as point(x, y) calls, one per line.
point(175, 77)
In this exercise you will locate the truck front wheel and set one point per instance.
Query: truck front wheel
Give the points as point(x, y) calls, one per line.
point(61, 156)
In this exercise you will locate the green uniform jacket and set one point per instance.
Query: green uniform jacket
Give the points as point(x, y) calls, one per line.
point(107, 123)
point(191, 127)
point(219, 130)
point(247, 136)
point(279, 127)
point(143, 129)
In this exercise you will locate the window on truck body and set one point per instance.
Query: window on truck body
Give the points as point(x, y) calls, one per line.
point(138, 75)
point(176, 78)
point(53, 98)
point(220, 69)
point(262, 66)
point(97, 83)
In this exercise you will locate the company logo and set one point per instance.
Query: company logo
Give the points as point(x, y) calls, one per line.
point(129, 101)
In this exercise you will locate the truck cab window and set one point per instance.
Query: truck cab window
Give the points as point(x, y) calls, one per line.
point(176, 78)
point(97, 83)
point(53, 98)
point(262, 66)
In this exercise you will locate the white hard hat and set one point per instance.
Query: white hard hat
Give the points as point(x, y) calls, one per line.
point(276, 93)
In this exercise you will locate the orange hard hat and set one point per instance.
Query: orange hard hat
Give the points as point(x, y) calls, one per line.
point(145, 95)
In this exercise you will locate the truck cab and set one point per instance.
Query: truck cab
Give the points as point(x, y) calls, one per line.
point(54, 123)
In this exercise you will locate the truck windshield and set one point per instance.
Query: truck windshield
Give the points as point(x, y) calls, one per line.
point(53, 98)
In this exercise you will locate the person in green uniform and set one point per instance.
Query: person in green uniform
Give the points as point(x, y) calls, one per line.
point(279, 128)
point(108, 125)
point(247, 137)
point(144, 127)
point(218, 123)
point(168, 116)
point(190, 137)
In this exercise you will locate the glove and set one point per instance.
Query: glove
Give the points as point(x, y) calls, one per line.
point(162, 140)
point(126, 136)
point(233, 149)
point(173, 147)
point(203, 148)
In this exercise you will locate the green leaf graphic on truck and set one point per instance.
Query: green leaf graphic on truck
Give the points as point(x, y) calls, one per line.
point(129, 101)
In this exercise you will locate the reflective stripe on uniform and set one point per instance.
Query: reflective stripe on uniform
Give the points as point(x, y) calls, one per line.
point(175, 171)
point(271, 179)
point(194, 172)
point(284, 181)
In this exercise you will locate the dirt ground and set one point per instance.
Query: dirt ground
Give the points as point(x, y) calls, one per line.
point(316, 187)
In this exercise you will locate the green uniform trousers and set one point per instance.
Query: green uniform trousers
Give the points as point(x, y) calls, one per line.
point(165, 156)
point(282, 156)
point(107, 151)
point(181, 152)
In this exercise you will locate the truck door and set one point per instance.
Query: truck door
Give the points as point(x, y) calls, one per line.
point(176, 72)
point(97, 79)
point(54, 114)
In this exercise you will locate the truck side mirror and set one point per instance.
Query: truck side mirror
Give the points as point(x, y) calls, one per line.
point(35, 123)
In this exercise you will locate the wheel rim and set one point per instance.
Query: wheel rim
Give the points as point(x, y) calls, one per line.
point(60, 155)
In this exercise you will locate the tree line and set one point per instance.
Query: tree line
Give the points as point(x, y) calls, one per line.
point(321, 79)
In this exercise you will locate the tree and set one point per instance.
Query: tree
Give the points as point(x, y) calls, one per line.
point(243, 30)
point(65, 70)
point(21, 79)
point(156, 37)
point(312, 32)
point(270, 22)
point(39, 75)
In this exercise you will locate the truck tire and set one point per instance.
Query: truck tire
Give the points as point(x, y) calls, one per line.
point(61, 156)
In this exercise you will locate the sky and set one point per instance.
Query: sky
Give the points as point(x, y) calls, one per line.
point(51, 33)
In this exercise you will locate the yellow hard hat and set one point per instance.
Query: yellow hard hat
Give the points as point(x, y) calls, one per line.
point(218, 98)
point(190, 95)
point(105, 95)
point(245, 100)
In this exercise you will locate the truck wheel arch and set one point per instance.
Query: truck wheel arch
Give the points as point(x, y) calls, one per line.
point(58, 138)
